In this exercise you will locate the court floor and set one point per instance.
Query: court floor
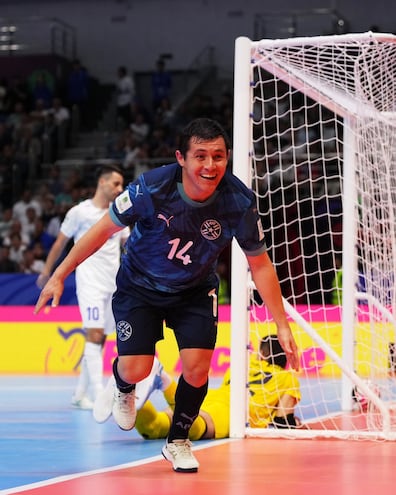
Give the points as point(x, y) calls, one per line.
point(48, 448)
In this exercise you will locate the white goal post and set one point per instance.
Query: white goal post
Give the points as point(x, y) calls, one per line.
point(315, 137)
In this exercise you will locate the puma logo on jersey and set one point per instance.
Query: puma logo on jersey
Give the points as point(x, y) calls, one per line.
point(166, 220)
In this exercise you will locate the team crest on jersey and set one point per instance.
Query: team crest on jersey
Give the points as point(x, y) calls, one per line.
point(123, 202)
point(211, 230)
point(124, 330)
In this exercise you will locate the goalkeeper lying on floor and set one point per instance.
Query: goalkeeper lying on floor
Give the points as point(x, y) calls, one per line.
point(274, 393)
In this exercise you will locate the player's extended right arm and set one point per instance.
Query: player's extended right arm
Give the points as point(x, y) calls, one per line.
point(88, 244)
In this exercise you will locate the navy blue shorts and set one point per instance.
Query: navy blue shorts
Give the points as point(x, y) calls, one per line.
point(140, 315)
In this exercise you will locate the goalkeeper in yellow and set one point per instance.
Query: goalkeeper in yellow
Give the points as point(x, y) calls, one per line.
point(274, 393)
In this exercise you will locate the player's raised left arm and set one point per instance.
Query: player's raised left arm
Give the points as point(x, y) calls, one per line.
point(267, 284)
point(88, 244)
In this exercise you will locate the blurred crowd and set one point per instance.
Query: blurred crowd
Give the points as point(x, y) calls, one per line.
point(35, 124)
point(34, 200)
point(146, 133)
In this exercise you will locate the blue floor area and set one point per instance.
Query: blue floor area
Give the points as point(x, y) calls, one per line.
point(43, 437)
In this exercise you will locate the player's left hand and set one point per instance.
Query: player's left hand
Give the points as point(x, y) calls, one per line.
point(53, 289)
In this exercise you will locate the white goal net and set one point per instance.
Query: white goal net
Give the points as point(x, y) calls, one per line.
point(315, 137)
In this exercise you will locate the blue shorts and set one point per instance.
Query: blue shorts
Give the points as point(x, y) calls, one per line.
point(140, 315)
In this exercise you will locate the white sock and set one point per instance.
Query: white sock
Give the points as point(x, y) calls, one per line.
point(82, 381)
point(94, 365)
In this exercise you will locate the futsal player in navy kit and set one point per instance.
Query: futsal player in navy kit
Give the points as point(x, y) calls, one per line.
point(182, 217)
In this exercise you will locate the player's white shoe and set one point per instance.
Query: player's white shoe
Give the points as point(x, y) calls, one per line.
point(103, 404)
point(83, 403)
point(105, 401)
point(124, 409)
point(154, 381)
point(179, 454)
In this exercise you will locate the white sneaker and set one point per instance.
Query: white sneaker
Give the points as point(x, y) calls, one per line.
point(103, 404)
point(124, 409)
point(84, 403)
point(179, 454)
point(154, 381)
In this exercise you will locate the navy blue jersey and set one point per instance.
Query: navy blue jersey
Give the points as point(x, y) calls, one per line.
point(175, 241)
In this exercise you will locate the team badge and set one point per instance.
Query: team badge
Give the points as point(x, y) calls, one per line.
point(124, 330)
point(211, 230)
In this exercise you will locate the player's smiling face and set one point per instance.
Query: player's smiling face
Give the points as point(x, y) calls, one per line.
point(204, 166)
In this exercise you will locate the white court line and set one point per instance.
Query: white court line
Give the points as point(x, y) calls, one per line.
point(60, 479)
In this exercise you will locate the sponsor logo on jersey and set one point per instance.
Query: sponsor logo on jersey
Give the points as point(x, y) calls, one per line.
point(160, 216)
point(211, 230)
point(124, 330)
point(123, 202)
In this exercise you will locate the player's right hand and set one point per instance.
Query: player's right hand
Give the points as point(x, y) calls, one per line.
point(53, 289)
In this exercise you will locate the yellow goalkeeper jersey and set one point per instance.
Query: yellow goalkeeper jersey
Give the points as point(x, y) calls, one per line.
point(266, 384)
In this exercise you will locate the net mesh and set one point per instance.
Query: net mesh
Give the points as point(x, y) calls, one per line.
point(320, 108)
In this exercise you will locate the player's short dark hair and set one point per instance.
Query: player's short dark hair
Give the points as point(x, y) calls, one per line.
point(203, 129)
point(272, 351)
point(108, 168)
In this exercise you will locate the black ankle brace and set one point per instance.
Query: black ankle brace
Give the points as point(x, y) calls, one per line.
point(121, 385)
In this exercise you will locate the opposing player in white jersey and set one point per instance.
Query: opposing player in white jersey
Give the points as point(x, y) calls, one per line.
point(95, 279)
